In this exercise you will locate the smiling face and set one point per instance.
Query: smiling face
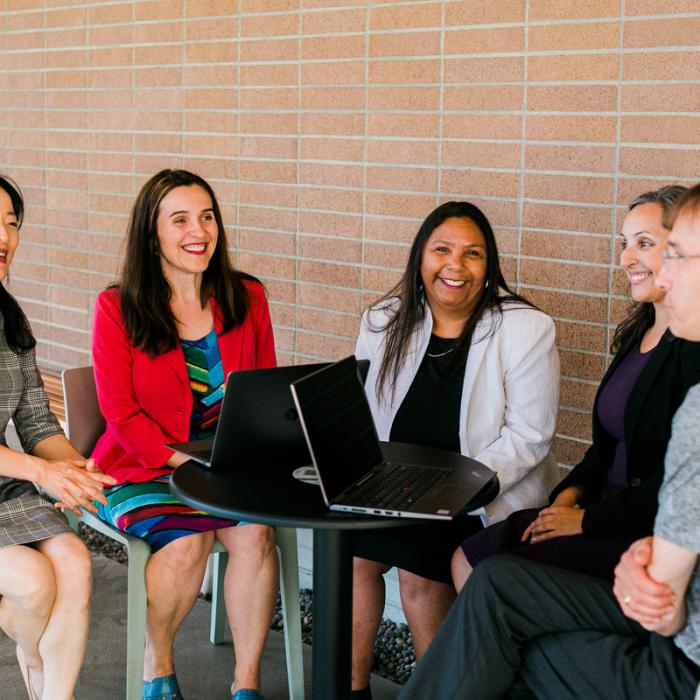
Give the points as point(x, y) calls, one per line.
point(9, 233)
point(187, 231)
point(643, 241)
point(453, 268)
point(680, 278)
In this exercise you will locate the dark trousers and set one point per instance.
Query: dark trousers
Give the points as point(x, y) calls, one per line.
point(519, 624)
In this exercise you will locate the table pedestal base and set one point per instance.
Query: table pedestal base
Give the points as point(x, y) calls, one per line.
point(332, 645)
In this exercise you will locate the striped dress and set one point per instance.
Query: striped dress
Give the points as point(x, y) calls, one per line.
point(148, 509)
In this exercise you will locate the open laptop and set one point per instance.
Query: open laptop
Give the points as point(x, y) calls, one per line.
point(258, 423)
point(353, 475)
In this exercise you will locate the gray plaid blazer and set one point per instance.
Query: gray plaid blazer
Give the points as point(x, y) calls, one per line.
point(22, 399)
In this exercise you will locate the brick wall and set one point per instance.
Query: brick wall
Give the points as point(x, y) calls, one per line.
point(330, 128)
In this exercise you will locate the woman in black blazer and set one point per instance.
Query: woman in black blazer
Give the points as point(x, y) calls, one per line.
point(610, 498)
point(674, 366)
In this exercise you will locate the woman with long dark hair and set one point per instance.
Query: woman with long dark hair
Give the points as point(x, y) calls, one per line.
point(45, 570)
point(609, 499)
point(521, 628)
point(165, 337)
point(458, 362)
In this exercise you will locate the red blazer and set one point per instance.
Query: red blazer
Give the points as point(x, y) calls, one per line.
point(147, 402)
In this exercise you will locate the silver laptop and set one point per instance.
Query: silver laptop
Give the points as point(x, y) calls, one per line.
point(352, 471)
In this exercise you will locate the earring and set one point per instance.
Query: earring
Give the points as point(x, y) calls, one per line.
point(486, 285)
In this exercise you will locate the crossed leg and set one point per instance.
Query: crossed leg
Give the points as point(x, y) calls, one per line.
point(557, 633)
point(45, 608)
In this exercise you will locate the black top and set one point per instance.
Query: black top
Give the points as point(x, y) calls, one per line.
point(611, 413)
point(674, 366)
point(429, 414)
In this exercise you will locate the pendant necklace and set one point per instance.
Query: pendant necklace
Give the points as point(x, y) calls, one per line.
point(440, 354)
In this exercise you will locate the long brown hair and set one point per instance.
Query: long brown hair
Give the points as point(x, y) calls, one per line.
point(145, 292)
point(408, 317)
point(641, 315)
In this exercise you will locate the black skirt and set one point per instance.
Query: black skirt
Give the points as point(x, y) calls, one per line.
point(585, 555)
point(422, 549)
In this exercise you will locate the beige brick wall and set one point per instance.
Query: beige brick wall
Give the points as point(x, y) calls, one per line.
point(330, 128)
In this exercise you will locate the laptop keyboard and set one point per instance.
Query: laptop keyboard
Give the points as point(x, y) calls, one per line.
point(402, 485)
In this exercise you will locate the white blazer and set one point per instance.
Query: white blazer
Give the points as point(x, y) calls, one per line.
point(510, 398)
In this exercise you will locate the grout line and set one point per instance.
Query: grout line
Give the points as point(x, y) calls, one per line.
point(522, 149)
point(616, 185)
point(365, 158)
point(441, 117)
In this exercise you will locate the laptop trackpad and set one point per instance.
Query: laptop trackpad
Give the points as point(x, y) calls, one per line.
point(442, 499)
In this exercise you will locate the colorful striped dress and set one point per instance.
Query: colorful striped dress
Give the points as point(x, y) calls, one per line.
point(148, 509)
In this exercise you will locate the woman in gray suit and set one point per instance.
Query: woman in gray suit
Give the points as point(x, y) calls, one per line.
point(45, 570)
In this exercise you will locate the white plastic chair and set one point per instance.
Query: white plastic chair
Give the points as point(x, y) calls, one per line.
point(84, 425)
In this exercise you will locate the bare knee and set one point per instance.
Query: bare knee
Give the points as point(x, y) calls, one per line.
point(72, 566)
point(185, 553)
point(461, 569)
point(257, 538)
point(366, 570)
point(38, 589)
point(253, 542)
point(413, 586)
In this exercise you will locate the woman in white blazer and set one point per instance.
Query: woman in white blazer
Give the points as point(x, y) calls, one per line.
point(457, 361)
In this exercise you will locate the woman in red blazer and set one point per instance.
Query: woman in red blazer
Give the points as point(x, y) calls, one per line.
point(164, 338)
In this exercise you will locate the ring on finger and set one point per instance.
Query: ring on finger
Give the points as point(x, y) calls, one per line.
point(627, 599)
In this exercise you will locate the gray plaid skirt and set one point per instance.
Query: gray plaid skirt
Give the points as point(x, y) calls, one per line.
point(30, 518)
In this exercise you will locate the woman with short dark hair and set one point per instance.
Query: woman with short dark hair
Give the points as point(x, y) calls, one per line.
point(459, 362)
point(165, 337)
point(45, 570)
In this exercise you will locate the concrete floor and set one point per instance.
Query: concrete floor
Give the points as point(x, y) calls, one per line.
point(204, 671)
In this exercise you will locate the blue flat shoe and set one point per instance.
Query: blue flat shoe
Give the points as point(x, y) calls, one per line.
point(245, 694)
point(163, 688)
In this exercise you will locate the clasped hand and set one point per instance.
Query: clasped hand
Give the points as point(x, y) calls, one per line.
point(74, 483)
point(641, 597)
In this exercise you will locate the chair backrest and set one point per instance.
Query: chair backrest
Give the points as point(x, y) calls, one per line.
point(84, 421)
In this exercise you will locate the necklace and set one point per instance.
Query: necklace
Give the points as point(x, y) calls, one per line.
point(440, 354)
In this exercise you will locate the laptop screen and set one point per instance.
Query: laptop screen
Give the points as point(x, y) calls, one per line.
point(259, 423)
point(339, 425)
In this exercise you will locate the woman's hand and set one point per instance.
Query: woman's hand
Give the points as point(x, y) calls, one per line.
point(568, 497)
point(555, 521)
point(74, 483)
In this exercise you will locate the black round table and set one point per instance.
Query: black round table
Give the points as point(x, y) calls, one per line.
point(272, 496)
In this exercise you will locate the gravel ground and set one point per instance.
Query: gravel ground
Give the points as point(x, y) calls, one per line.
point(393, 651)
